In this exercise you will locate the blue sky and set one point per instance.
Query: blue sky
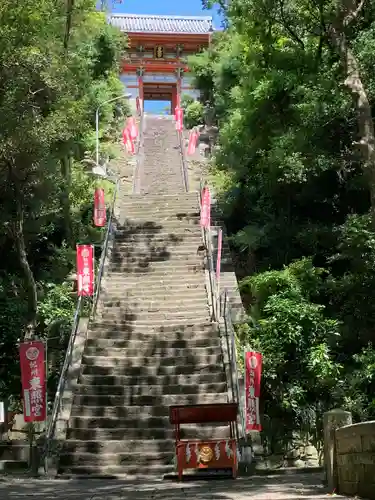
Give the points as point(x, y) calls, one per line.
point(165, 7)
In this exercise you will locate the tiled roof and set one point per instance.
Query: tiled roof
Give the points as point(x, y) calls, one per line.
point(133, 23)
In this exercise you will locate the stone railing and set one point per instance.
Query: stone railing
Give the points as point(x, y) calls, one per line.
point(349, 454)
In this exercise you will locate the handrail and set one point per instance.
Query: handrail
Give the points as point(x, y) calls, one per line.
point(104, 250)
point(207, 239)
point(138, 150)
point(232, 354)
point(77, 316)
point(184, 167)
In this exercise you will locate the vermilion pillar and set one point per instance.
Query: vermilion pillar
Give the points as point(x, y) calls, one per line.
point(178, 103)
point(174, 99)
point(140, 89)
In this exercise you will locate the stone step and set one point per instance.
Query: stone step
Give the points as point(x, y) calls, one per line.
point(132, 298)
point(93, 423)
point(155, 289)
point(139, 378)
point(132, 199)
point(177, 249)
point(120, 447)
point(190, 237)
point(147, 341)
point(150, 349)
point(144, 411)
point(153, 272)
point(152, 206)
point(157, 280)
point(148, 310)
point(166, 332)
point(149, 371)
point(131, 257)
point(70, 460)
point(165, 219)
point(124, 433)
point(130, 320)
point(155, 304)
point(165, 400)
point(154, 390)
point(189, 359)
point(119, 471)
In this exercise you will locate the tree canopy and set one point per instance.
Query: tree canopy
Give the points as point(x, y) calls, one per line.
point(59, 61)
point(291, 85)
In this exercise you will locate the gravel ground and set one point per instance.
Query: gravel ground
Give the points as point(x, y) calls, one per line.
point(295, 487)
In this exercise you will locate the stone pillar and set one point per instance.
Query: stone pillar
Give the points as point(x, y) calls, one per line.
point(333, 420)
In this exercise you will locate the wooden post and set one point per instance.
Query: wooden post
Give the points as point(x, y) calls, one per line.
point(333, 420)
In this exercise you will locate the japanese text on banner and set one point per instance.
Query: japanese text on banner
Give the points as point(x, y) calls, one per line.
point(100, 213)
point(33, 379)
point(253, 372)
point(85, 270)
point(206, 208)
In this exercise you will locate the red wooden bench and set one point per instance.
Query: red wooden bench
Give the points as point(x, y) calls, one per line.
point(206, 453)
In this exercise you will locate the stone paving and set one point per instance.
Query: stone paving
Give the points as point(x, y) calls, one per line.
point(295, 487)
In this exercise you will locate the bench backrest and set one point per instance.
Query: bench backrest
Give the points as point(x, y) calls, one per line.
point(206, 413)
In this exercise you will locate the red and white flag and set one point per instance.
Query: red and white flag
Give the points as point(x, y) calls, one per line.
point(219, 251)
point(129, 144)
point(85, 270)
point(253, 373)
point(132, 126)
point(179, 116)
point(33, 378)
point(206, 208)
point(100, 212)
point(193, 139)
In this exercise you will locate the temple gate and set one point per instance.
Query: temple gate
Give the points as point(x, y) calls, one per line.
point(155, 66)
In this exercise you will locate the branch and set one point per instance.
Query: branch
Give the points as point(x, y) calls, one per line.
point(291, 32)
point(353, 14)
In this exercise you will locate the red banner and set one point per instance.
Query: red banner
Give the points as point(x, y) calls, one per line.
point(85, 270)
point(206, 208)
point(219, 251)
point(129, 144)
point(253, 372)
point(179, 116)
point(193, 139)
point(132, 127)
point(100, 212)
point(33, 378)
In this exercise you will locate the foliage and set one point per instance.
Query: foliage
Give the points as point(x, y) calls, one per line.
point(295, 182)
point(193, 112)
point(58, 65)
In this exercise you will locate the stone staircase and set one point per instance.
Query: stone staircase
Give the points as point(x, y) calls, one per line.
point(161, 172)
point(152, 344)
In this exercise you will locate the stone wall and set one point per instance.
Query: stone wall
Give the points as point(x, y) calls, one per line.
point(355, 458)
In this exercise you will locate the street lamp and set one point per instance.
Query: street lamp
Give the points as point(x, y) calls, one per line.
point(123, 96)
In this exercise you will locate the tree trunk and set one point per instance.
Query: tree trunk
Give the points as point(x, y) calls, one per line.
point(30, 285)
point(68, 23)
point(66, 164)
point(354, 84)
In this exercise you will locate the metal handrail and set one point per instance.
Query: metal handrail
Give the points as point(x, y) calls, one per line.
point(77, 316)
point(60, 386)
point(184, 167)
point(138, 150)
point(104, 250)
point(232, 354)
point(206, 233)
